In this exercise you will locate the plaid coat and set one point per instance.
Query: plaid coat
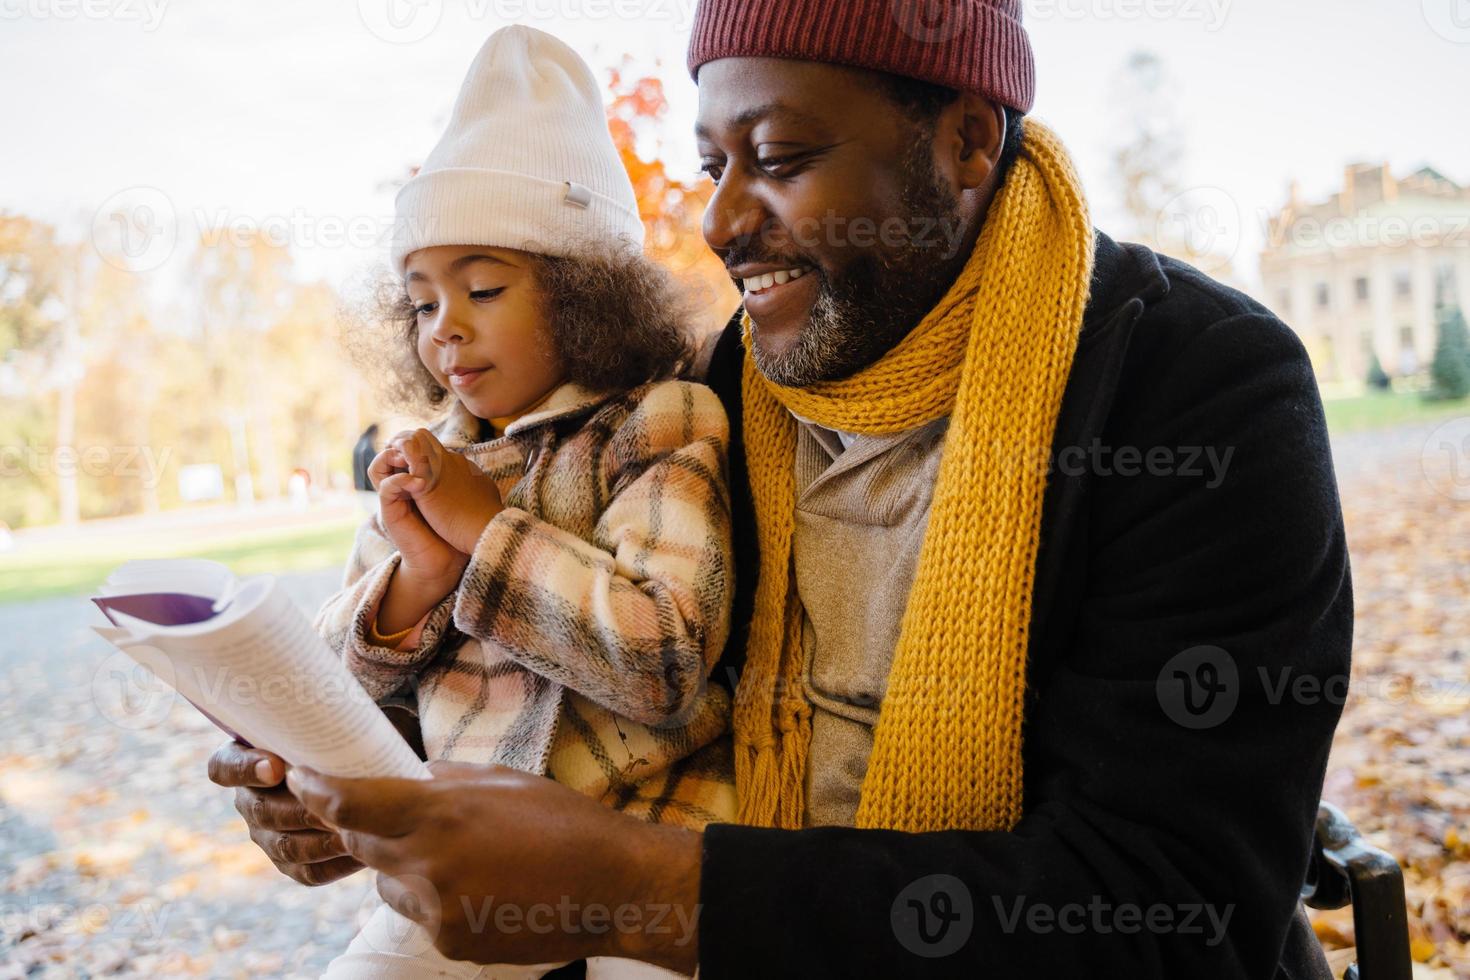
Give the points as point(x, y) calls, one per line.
point(581, 638)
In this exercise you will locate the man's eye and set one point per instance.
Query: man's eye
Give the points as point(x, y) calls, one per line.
point(484, 295)
point(713, 170)
point(770, 164)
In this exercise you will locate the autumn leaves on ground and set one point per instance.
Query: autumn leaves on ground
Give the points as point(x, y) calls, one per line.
point(1400, 764)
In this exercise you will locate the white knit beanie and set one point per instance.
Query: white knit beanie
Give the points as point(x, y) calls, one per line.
point(526, 163)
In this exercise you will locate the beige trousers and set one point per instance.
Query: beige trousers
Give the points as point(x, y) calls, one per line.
point(391, 947)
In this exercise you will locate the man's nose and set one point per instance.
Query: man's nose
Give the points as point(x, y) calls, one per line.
point(734, 215)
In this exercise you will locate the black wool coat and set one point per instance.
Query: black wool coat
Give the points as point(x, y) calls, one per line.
point(1188, 657)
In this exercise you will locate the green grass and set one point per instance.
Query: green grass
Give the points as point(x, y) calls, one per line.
point(82, 564)
point(1383, 409)
point(80, 567)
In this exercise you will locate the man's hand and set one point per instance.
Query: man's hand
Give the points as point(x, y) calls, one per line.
point(454, 495)
point(500, 866)
point(300, 845)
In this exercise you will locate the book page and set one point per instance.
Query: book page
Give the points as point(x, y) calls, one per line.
point(267, 675)
point(260, 671)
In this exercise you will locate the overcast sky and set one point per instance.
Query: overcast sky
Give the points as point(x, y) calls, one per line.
point(295, 114)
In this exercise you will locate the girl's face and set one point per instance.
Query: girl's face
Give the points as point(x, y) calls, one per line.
point(481, 332)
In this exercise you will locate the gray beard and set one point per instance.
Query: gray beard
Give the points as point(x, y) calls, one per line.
point(835, 343)
point(880, 297)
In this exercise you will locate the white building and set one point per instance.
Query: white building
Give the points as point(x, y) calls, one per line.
point(1369, 269)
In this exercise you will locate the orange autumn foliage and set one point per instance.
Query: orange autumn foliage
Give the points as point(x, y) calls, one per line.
point(672, 209)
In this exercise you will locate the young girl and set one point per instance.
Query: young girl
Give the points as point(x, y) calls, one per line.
point(550, 572)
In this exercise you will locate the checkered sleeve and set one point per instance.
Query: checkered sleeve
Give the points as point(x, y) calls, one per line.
point(635, 618)
point(345, 620)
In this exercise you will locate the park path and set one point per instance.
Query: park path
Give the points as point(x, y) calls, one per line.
point(117, 856)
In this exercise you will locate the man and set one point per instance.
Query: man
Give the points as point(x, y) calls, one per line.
point(1050, 563)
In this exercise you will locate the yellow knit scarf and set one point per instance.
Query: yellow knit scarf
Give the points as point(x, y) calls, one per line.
point(994, 356)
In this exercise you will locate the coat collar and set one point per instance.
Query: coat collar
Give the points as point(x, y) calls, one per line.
point(1122, 274)
point(462, 430)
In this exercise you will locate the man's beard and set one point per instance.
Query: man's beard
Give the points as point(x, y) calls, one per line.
point(882, 294)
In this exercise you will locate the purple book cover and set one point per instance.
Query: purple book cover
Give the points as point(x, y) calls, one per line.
point(158, 608)
point(167, 609)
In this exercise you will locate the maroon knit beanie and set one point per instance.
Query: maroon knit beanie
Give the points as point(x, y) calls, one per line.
point(972, 45)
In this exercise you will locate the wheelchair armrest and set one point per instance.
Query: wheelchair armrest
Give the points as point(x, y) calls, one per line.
point(1345, 869)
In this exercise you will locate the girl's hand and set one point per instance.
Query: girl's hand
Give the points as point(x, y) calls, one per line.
point(426, 557)
point(455, 496)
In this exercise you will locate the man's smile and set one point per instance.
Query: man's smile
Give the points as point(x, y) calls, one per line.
point(757, 278)
point(780, 298)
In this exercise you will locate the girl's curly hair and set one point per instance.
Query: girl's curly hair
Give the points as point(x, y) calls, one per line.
point(615, 322)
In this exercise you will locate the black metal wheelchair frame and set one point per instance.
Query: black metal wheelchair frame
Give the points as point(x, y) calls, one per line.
point(1346, 870)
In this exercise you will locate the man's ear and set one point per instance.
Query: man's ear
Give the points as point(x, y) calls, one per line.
point(977, 131)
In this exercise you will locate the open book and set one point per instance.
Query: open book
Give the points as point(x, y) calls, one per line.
point(245, 656)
